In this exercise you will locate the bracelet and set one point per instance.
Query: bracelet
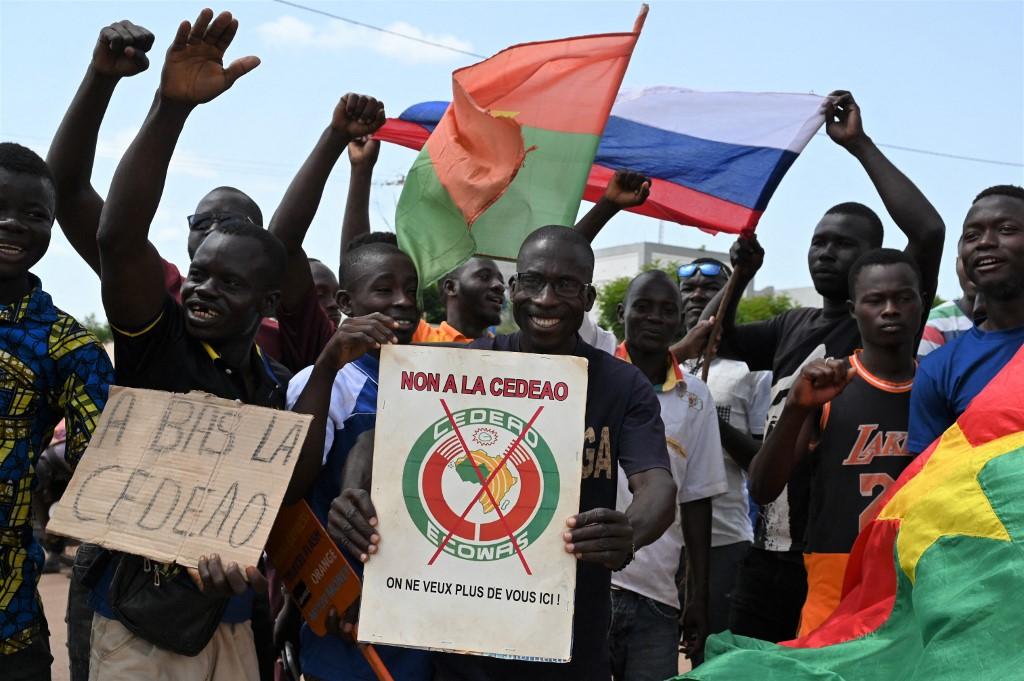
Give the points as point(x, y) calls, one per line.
point(629, 559)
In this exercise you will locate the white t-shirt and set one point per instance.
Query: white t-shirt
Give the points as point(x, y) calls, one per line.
point(594, 335)
point(742, 397)
point(695, 452)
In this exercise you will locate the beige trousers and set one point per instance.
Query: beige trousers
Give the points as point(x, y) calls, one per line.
point(119, 655)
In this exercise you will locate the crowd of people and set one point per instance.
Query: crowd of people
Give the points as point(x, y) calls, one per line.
point(807, 417)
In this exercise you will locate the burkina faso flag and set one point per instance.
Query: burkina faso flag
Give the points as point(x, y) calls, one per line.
point(934, 586)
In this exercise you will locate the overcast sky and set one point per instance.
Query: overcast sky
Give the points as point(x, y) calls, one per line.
point(941, 76)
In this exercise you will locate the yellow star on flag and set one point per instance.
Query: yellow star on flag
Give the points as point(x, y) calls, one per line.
point(945, 498)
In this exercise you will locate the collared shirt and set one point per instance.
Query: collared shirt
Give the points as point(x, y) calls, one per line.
point(698, 468)
point(50, 367)
point(673, 372)
point(442, 333)
point(163, 356)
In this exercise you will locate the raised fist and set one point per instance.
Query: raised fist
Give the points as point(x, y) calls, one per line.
point(819, 382)
point(358, 116)
point(842, 119)
point(627, 189)
point(121, 50)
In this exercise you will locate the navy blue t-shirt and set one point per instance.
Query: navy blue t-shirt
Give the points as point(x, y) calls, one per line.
point(950, 377)
point(622, 426)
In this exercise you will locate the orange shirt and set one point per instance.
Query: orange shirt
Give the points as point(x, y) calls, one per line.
point(443, 333)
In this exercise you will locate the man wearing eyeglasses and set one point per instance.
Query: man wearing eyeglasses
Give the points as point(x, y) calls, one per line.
point(550, 294)
point(741, 397)
point(772, 584)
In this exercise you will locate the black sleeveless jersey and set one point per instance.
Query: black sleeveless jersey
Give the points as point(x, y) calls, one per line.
point(861, 450)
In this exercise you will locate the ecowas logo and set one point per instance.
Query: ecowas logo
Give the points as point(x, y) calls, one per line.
point(441, 484)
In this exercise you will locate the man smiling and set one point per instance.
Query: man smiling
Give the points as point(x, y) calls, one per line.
point(473, 295)
point(550, 294)
point(379, 291)
point(52, 368)
point(992, 251)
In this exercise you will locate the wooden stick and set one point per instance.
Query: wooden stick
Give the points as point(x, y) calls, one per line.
point(380, 670)
point(376, 664)
point(716, 328)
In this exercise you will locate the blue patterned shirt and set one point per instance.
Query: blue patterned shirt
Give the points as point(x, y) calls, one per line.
point(50, 368)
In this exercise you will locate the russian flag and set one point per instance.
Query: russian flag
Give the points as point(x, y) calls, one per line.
point(714, 158)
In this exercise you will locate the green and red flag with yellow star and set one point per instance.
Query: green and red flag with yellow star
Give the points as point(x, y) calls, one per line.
point(513, 151)
point(933, 583)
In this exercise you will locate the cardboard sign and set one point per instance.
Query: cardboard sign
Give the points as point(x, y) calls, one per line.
point(476, 467)
point(311, 566)
point(175, 477)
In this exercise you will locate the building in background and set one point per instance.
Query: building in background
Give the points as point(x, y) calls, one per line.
point(625, 261)
point(802, 296)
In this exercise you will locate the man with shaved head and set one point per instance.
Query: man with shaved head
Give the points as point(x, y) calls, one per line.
point(473, 295)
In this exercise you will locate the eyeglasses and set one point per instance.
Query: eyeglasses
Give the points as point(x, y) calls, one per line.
point(708, 269)
point(203, 221)
point(533, 284)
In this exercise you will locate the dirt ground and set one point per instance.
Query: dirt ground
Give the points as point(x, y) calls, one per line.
point(54, 590)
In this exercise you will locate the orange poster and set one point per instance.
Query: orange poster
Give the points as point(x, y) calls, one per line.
point(311, 566)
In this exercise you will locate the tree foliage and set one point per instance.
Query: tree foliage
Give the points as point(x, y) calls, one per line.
point(761, 307)
point(433, 310)
point(751, 308)
point(614, 292)
point(99, 329)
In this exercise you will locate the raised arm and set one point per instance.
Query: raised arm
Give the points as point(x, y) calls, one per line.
point(626, 189)
point(819, 382)
point(910, 210)
point(120, 52)
point(132, 271)
point(747, 257)
point(362, 156)
point(354, 116)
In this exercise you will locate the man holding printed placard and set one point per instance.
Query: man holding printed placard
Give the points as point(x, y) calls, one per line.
point(622, 426)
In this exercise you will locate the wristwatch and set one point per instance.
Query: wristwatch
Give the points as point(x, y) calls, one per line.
point(629, 559)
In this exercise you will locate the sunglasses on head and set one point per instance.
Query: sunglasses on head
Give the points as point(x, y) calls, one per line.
point(708, 269)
